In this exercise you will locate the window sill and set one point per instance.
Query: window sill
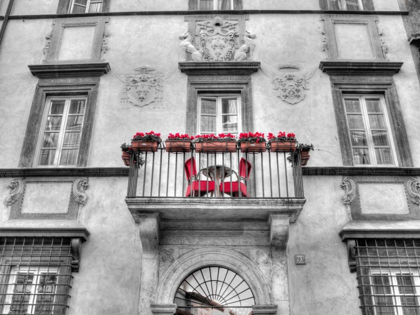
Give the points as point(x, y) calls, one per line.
point(380, 229)
point(65, 70)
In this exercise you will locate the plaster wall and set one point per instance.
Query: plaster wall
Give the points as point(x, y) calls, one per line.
point(147, 5)
point(32, 7)
point(281, 5)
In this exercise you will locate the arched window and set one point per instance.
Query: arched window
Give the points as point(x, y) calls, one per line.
point(214, 291)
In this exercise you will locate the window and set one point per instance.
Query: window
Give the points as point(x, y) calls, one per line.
point(61, 135)
point(35, 275)
point(368, 127)
point(219, 114)
point(86, 6)
point(215, 4)
point(351, 5)
point(388, 276)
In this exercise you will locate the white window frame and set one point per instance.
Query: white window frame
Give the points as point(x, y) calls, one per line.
point(369, 138)
point(343, 5)
point(87, 5)
point(215, 2)
point(219, 126)
point(37, 272)
point(62, 129)
point(395, 293)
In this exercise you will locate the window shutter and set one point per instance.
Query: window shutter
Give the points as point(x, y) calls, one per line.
point(352, 5)
point(368, 5)
point(63, 6)
point(334, 5)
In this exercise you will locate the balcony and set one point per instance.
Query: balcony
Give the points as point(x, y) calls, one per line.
point(222, 186)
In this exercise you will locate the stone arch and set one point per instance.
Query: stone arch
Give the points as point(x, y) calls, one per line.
point(196, 259)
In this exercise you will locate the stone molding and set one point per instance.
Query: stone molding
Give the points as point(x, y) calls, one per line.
point(63, 172)
point(264, 309)
point(371, 68)
point(191, 261)
point(16, 190)
point(359, 171)
point(349, 187)
point(413, 189)
point(79, 191)
point(70, 70)
point(219, 68)
point(163, 309)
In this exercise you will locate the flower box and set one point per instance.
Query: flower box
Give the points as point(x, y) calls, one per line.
point(126, 156)
point(283, 146)
point(253, 147)
point(215, 146)
point(177, 145)
point(304, 157)
point(144, 146)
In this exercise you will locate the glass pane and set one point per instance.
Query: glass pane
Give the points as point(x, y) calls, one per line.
point(206, 5)
point(230, 123)
point(208, 124)
point(74, 123)
point(22, 290)
point(78, 9)
point(208, 106)
point(381, 284)
point(352, 105)
point(355, 122)
point(68, 157)
point(384, 156)
point(47, 157)
point(229, 106)
point(71, 139)
point(384, 305)
point(380, 137)
point(57, 107)
point(377, 121)
point(53, 123)
point(95, 7)
point(405, 284)
point(77, 107)
point(361, 156)
point(45, 296)
point(373, 106)
point(224, 5)
point(50, 140)
point(358, 138)
point(353, 5)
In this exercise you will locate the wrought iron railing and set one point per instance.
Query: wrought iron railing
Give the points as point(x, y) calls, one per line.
point(218, 175)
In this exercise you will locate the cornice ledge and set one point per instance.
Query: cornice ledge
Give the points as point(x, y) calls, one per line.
point(163, 309)
point(415, 40)
point(66, 70)
point(44, 228)
point(380, 229)
point(219, 68)
point(384, 68)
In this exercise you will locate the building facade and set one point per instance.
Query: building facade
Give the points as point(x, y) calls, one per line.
point(198, 233)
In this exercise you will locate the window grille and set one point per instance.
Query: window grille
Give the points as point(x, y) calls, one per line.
point(388, 276)
point(35, 275)
point(212, 290)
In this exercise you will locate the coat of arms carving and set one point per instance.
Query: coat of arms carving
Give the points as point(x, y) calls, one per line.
point(218, 40)
point(144, 87)
point(291, 84)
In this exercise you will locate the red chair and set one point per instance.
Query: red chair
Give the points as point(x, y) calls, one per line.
point(196, 187)
point(232, 188)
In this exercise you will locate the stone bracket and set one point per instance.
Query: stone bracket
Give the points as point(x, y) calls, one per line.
point(76, 252)
point(279, 229)
point(149, 232)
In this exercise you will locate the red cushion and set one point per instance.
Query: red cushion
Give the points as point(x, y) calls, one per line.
point(225, 187)
point(200, 188)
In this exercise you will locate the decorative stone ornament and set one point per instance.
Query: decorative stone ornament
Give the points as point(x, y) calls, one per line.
point(218, 40)
point(79, 191)
point(291, 84)
point(413, 189)
point(16, 190)
point(144, 87)
point(349, 187)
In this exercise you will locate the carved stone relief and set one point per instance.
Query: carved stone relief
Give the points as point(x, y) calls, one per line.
point(413, 189)
point(382, 40)
point(48, 39)
point(143, 88)
point(218, 40)
point(79, 191)
point(349, 187)
point(291, 83)
point(104, 46)
point(167, 255)
point(16, 190)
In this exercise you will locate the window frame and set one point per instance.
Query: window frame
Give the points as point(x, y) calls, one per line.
point(88, 3)
point(219, 114)
point(369, 137)
point(215, 3)
point(193, 5)
point(64, 7)
point(62, 130)
point(384, 86)
point(86, 87)
point(364, 5)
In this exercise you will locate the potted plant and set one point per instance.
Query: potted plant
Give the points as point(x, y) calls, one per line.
point(178, 142)
point(215, 144)
point(252, 142)
point(282, 142)
point(304, 149)
point(127, 151)
point(146, 142)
